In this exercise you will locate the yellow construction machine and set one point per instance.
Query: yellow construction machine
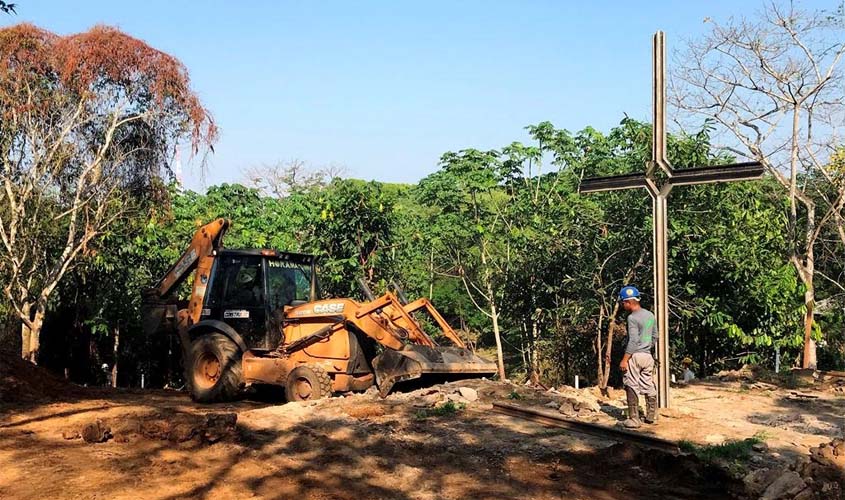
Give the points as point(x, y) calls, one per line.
point(254, 317)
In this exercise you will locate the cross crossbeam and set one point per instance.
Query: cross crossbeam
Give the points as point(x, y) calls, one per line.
point(659, 192)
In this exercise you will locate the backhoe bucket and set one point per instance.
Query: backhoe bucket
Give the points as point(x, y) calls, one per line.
point(415, 361)
point(158, 315)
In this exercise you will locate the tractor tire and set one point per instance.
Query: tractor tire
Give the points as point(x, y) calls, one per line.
point(213, 372)
point(308, 382)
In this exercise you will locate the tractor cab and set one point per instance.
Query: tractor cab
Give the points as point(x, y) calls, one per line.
point(248, 290)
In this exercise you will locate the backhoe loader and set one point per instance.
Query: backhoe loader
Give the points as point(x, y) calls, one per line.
point(253, 317)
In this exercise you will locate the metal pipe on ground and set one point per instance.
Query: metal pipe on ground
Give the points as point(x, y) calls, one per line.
point(597, 430)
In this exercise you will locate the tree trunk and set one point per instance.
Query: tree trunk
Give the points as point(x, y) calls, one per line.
point(524, 349)
point(609, 345)
point(499, 356)
point(31, 334)
point(809, 358)
point(431, 274)
point(114, 364)
point(532, 353)
point(807, 275)
point(494, 313)
point(605, 359)
point(599, 334)
point(25, 333)
point(806, 268)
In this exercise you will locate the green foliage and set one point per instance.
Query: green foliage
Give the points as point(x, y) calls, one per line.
point(505, 227)
point(447, 409)
point(351, 227)
point(734, 453)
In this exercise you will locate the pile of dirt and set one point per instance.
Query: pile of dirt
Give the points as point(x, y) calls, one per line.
point(832, 384)
point(172, 426)
point(23, 382)
point(746, 373)
point(481, 393)
point(467, 392)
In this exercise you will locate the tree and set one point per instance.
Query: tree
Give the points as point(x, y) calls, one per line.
point(613, 249)
point(351, 227)
point(87, 123)
point(775, 85)
point(294, 176)
point(470, 224)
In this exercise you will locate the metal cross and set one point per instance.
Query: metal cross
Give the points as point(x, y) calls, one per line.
point(659, 192)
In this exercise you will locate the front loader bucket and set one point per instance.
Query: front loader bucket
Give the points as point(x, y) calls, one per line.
point(415, 361)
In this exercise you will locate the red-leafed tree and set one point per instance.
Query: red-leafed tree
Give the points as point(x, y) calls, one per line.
point(87, 123)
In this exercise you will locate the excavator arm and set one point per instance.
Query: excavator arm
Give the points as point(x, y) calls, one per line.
point(199, 257)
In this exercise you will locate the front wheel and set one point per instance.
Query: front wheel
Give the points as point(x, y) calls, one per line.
point(308, 382)
point(214, 370)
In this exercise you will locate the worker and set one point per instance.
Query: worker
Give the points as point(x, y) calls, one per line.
point(249, 287)
point(689, 375)
point(638, 363)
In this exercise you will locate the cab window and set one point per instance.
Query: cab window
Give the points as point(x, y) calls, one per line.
point(286, 282)
point(240, 284)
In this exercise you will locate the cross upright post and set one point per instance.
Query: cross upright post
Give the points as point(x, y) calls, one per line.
point(659, 193)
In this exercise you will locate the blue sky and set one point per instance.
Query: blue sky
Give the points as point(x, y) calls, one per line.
point(385, 88)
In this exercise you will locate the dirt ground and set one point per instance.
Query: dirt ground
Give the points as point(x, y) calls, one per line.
point(159, 444)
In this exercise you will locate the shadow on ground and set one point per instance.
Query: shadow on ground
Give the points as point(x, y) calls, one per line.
point(310, 453)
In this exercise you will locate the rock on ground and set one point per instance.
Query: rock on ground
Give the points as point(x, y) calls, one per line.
point(786, 486)
point(757, 481)
point(96, 432)
point(821, 474)
point(468, 393)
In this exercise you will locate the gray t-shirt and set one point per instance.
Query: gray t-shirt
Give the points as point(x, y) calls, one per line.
point(641, 331)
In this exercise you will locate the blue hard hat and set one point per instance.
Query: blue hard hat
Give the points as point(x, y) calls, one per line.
point(629, 292)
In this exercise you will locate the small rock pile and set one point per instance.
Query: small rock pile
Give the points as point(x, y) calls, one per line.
point(826, 469)
point(573, 402)
point(437, 396)
point(838, 385)
point(744, 374)
point(821, 474)
point(576, 406)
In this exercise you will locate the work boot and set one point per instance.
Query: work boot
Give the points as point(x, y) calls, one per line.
point(633, 420)
point(651, 409)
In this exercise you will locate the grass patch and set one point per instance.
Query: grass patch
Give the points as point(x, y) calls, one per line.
point(447, 409)
point(733, 453)
point(514, 395)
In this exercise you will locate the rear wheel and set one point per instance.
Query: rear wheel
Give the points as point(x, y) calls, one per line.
point(308, 382)
point(214, 370)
